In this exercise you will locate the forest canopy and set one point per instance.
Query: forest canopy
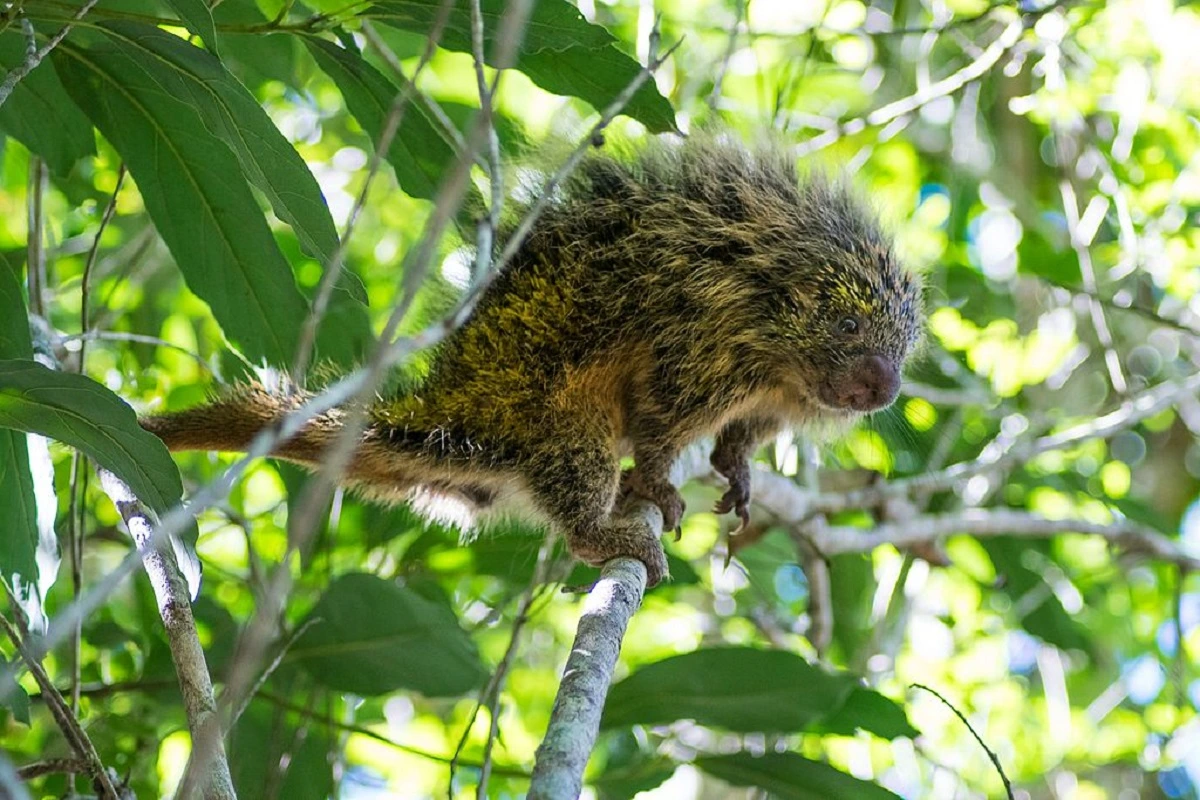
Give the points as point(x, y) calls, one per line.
point(987, 590)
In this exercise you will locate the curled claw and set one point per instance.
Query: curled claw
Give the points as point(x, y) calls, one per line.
point(743, 512)
point(737, 500)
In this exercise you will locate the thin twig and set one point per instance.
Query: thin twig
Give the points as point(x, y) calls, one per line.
point(67, 722)
point(51, 766)
point(236, 714)
point(361, 730)
point(33, 59)
point(1081, 243)
point(991, 755)
point(491, 695)
point(121, 336)
point(35, 257)
point(714, 97)
point(391, 125)
point(1133, 410)
point(392, 61)
point(991, 56)
point(85, 281)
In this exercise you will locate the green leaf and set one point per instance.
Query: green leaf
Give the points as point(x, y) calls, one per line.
point(199, 20)
point(791, 777)
point(40, 115)
point(268, 160)
point(270, 757)
point(621, 784)
point(193, 189)
point(77, 411)
point(418, 153)
point(15, 341)
point(552, 25)
point(374, 636)
point(1048, 620)
point(852, 580)
point(868, 710)
point(597, 77)
point(15, 698)
point(1036, 255)
point(628, 769)
point(968, 291)
point(232, 114)
point(561, 52)
point(18, 499)
point(740, 688)
point(255, 57)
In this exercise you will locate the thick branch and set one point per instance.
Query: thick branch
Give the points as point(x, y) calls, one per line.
point(174, 606)
point(575, 719)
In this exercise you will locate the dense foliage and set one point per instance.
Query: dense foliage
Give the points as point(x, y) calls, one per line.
point(1015, 533)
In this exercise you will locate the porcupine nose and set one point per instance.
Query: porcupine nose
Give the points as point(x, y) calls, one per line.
point(871, 384)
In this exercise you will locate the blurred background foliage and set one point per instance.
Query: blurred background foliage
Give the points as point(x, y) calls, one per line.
point(1039, 166)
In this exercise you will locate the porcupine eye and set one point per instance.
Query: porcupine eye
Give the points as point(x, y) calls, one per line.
point(848, 326)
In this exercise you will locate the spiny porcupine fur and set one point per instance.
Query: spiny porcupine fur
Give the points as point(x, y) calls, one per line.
point(689, 290)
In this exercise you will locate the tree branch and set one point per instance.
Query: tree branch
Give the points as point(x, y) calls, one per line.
point(36, 56)
point(175, 608)
point(991, 56)
point(76, 737)
point(1132, 411)
point(986, 523)
point(575, 718)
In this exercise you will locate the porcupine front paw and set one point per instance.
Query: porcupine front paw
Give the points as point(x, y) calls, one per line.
point(661, 492)
point(622, 537)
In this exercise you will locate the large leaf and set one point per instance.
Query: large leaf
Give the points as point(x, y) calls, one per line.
point(561, 52)
point(193, 188)
point(77, 411)
point(373, 636)
point(40, 115)
point(268, 160)
point(18, 500)
point(418, 153)
point(552, 24)
point(232, 114)
point(597, 77)
point(791, 777)
point(739, 688)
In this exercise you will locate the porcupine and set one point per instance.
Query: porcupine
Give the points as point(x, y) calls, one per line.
point(692, 289)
